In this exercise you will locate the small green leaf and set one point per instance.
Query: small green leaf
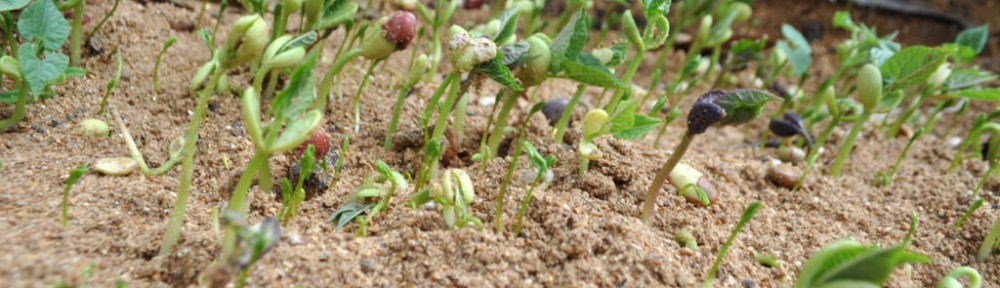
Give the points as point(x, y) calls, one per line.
point(570, 41)
point(499, 72)
point(338, 12)
point(345, 214)
point(842, 19)
point(618, 53)
point(742, 105)
point(874, 266)
point(641, 125)
point(911, 66)
point(591, 74)
point(536, 158)
point(965, 78)
point(75, 72)
point(624, 118)
point(40, 73)
point(304, 40)
point(992, 94)
point(297, 132)
point(799, 52)
point(962, 52)
point(974, 38)
point(508, 24)
point(43, 21)
point(299, 92)
point(10, 5)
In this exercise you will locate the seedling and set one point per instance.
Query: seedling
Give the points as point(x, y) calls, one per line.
point(869, 83)
point(73, 178)
point(975, 206)
point(112, 83)
point(114, 8)
point(686, 239)
point(522, 131)
point(175, 155)
point(248, 246)
point(884, 178)
point(715, 108)
point(396, 183)
point(847, 263)
point(791, 125)
point(951, 280)
point(747, 215)
point(767, 260)
point(542, 165)
point(420, 67)
point(693, 185)
point(292, 198)
point(156, 66)
point(76, 33)
point(990, 243)
point(454, 192)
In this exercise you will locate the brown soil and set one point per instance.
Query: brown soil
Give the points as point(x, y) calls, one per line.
point(582, 231)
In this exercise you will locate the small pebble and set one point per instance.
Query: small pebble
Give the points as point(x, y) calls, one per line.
point(953, 142)
point(486, 101)
point(115, 166)
point(789, 154)
point(368, 265)
point(784, 175)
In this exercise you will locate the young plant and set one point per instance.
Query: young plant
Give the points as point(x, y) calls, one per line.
point(246, 41)
point(112, 84)
point(747, 215)
point(990, 243)
point(73, 178)
point(715, 108)
point(76, 33)
point(847, 263)
point(454, 192)
point(396, 183)
point(371, 197)
point(156, 66)
point(176, 147)
point(522, 131)
point(114, 8)
point(252, 243)
point(292, 198)
point(790, 126)
point(419, 68)
point(869, 83)
point(951, 280)
point(542, 165)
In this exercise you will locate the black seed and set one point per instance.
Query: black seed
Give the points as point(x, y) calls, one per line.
point(783, 128)
point(703, 115)
point(554, 108)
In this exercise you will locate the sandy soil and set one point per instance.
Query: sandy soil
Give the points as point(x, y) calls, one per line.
point(582, 231)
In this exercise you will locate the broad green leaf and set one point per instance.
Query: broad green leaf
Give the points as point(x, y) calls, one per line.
point(826, 259)
point(992, 94)
point(641, 125)
point(348, 212)
point(499, 72)
point(10, 5)
point(653, 8)
point(974, 38)
point(962, 52)
point(514, 54)
point(842, 19)
point(889, 101)
point(508, 24)
point(298, 94)
point(718, 31)
point(297, 132)
point(43, 21)
point(799, 52)
point(964, 78)
point(40, 73)
point(624, 118)
point(569, 42)
point(911, 66)
point(874, 266)
point(591, 74)
point(742, 105)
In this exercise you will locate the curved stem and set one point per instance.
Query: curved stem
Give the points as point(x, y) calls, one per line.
point(524, 204)
point(496, 133)
point(431, 159)
point(661, 176)
point(103, 20)
point(845, 150)
point(397, 109)
point(561, 126)
point(324, 88)
point(22, 101)
point(137, 155)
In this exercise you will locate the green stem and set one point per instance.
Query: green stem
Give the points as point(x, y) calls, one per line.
point(747, 215)
point(902, 155)
point(103, 20)
point(397, 109)
point(156, 66)
point(898, 123)
point(237, 201)
point(845, 150)
point(326, 84)
point(76, 34)
point(187, 165)
point(562, 125)
point(258, 78)
point(483, 152)
point(430, 159)
point(458, 128)
point(661, 176)
point(505, 185)
point(241, 280)
point(986, 176)
point(496, 133)
point(814, 151)
point(661, 60)
point(22, 101)
point(524, 204)
point(627, 79)
point(357, 95)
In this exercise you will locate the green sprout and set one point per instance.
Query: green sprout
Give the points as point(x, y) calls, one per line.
point(869, 93)
point(396, 183)
point(175, 155)
point(951, 280)
point(990, 243)
point(113, 83)
point(73, 178)
point(454, 192)
point(156, 66)
point(250, 244)
point(405, 87)
point(542, 165)
point(505, 185)
point(292, 198)
point(114, 8)
point(371, 198)
point(715, 108)
point(748, 214)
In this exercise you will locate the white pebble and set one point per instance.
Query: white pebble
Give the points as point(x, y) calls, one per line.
point(952, 142)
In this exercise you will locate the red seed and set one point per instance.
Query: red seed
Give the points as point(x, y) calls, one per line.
point(473, 4)
point(401, 28)
point(320, 139)
point(69, 16)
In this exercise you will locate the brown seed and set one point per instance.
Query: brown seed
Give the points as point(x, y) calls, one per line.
point(401, 28)
point(784, 175)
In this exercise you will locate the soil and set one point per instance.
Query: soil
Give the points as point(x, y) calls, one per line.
point(581, 231)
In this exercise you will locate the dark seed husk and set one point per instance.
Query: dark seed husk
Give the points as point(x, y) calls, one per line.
point(705, 112)
point(554, 108)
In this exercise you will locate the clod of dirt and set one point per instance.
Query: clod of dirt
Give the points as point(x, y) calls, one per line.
point(598, 185)
point(115, 166)
point(784, 175)
point(319, 180)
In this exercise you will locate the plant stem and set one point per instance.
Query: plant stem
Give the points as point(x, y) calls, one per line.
point(326, 84)
point(661, 176)
point(187, 165)
point(902, 155)
point(989, 243)
point(22, 101)
point(505, 185)
point(397, 109)
point(747, 215)
point(898, 124)
point(814, 150)
point(845, 150)
point(156, 66)
point(986, 176)
point(103, 20)
point(137, 155)
point(76, 34)
point(496, 133)
point(458, 128)
point(627, 79)
point(487, 155)
point(562, 125)
point(430, 159)
point(357, 95)
point(524, 204)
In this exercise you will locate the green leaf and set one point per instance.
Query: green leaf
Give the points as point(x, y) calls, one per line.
point(206, 37)
point(43, 21)
point(618, 53)
point(338, 12)
point(974, 38)
point(514, 54)
point(624, 118)
point(826, 259)
point(653, 8)
point(641, 125)
point(742, 105)
point(718, 30)
point(75, 72)
point(799, 52)
point(992, 94)
point(10, 5)
point(40, 73)
point(499, 72)
point(304, 40)
point(345, 214)
point(842, 19)
point(874, 266)
point(298, 94)
point(536, 158)
point(965, 78)
point(508, 24)
point(911, 66)
point(962, 52)
point(569, 42)
point(591, 74)
point(297, 132)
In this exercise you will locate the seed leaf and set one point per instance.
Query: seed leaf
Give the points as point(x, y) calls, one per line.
point(641, 125)
point(508, 24)
point(570, 41)
point(590, 73)
point(303, 40)
point(499, 72)
point(298, 94)
point(964, 78)
point(43, 21)
point(345, 214)
point(974, 38)
point(799, 52)
point(40, 73)
point(911, 66)
point(742, 105)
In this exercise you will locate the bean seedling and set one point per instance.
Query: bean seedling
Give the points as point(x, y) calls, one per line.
point(748, 214)
point(542, 166)
point(156, 65)
point(951, 280)
point(73, 178)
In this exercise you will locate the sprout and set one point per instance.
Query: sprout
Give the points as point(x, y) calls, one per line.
point(951, 280)
point(869, 83)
